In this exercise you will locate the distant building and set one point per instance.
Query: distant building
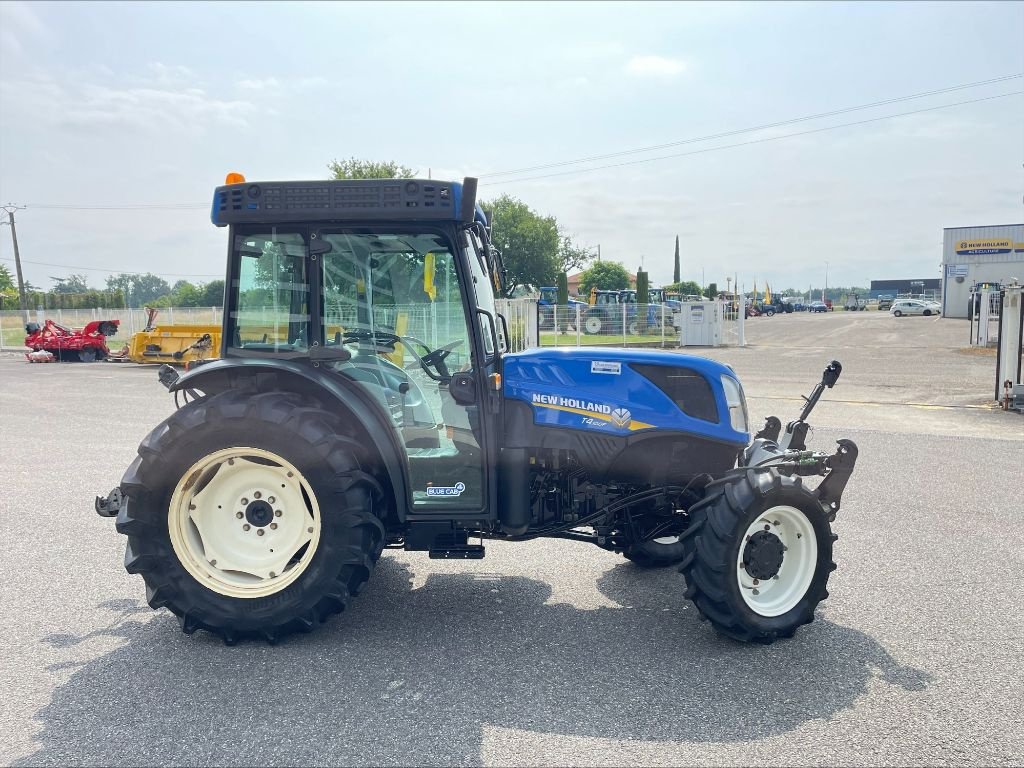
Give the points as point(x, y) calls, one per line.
point(926, 285)
point(972, 255)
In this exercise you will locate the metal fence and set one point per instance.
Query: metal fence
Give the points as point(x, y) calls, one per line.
point(632, 325)
point(529, 323)
point(12, 323)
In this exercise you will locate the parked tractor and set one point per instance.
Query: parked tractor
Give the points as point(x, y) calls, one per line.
point(548, 303)
point(383, 410)
point(610, 313)
point(87, 345)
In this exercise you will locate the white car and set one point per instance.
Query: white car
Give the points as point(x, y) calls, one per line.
point(902, 307)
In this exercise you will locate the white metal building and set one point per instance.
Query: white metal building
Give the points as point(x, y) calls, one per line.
point(972, 255)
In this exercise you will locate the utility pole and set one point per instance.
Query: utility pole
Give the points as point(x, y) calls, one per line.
point(22, 304)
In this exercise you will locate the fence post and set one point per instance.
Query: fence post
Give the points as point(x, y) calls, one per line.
point(578, 331)
point(623, 325)
point(741, 316)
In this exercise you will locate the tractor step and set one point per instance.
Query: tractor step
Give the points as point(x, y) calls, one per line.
point(467, 552)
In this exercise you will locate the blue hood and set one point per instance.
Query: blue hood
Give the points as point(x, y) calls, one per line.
point(598, 389)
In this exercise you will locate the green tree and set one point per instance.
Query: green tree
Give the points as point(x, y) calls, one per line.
point(563, 299)
point(642, 297)
point(571, 256)
point(213, 294)
point(6, 279)
point(70, 284)
point(686, 288)
point(353, 168)
point(185, 294)
point(529, 243)
point(711, 291)
point(139, 290)
point(675, 271)
point(605, 276)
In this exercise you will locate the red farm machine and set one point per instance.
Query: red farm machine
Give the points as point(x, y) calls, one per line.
point(88, 344)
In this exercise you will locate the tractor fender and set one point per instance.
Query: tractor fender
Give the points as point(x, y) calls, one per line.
point(321, 383)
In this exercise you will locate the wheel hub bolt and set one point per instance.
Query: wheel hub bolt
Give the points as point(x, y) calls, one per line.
point(756, 582)
point(245, 527)
point(272, 574)
point(259, 532)
point(244, 501)
point(239, 515)
point(257, 495)
point(271, 499)
point(213, 562)
point(289, 474)
point(191, 507)
point(309, 530)
point(756, 592)
point(273, 526)
point(767, 527)
point(277, 513)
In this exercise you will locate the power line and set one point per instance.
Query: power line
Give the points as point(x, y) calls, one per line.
point(753, 141)
point(778, 124)
point(112, 271)
point(592, 158)
point(128, 207)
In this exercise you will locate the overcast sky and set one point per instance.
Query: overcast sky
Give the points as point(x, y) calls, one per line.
point(120, 104)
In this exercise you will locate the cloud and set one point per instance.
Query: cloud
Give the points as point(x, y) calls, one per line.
point(272, 83)
point(655, 66)
point(20, 29)
point(259, 85)
point(151, 105)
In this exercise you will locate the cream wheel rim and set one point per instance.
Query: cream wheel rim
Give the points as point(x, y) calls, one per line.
point(244, 522)
point(777, 559)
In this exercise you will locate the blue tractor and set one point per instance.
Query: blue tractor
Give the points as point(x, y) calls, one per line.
point(547, 304)
point(364, 399)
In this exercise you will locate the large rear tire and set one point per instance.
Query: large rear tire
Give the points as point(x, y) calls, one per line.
point(250, 515)
point(758, 556)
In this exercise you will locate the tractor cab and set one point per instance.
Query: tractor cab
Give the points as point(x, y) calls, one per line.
point(389, 284)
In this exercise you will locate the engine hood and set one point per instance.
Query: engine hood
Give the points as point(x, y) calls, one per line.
point(623, 392)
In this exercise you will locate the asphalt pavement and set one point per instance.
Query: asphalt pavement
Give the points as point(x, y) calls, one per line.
point(551, 652)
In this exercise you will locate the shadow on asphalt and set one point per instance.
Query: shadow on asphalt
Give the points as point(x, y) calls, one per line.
point(411, 676)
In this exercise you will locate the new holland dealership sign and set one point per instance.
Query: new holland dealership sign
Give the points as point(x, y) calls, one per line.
point(984, 247)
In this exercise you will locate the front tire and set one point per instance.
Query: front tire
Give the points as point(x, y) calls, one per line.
point(758, 556)
point(593, 324)
point(656, 553)
point(897, 313)
point(227, 468)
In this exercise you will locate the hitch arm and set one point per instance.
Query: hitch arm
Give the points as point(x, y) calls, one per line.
point(840, 467)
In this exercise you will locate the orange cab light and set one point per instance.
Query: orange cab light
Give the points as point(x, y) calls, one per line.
point(234, 178)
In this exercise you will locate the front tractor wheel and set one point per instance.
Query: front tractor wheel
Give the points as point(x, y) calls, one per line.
point(250, 516)
point(593, 324)
point(758, 556)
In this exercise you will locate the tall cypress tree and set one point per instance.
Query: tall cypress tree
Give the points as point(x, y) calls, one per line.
point(675, 274)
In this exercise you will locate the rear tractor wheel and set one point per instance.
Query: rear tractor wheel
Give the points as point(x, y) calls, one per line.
point(250, 516)
point(758, 556)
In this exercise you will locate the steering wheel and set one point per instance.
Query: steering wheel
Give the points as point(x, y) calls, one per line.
point(433, 358)
point(377, 338)
point(437, 358)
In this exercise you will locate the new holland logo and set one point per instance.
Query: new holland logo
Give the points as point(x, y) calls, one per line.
point(621, 418)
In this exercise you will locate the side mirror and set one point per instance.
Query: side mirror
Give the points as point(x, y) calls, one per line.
point(831, 374)
point(462, 388)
